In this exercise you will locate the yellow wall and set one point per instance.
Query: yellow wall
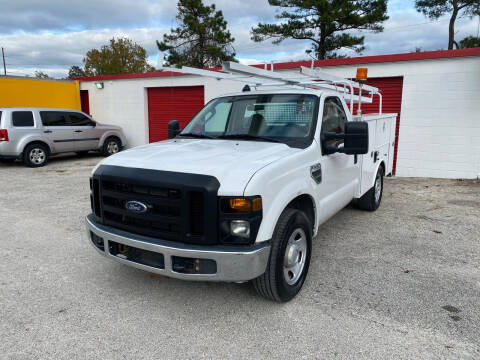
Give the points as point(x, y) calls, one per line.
point(15, 92)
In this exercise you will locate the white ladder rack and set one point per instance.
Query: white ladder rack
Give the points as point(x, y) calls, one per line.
point(352, 91)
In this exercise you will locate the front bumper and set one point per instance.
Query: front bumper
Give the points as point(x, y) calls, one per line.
point(233, 263)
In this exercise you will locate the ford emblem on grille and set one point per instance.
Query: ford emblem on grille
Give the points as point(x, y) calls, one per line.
point(136, 206)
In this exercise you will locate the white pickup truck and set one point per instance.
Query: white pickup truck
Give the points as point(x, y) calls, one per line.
point(240, 192)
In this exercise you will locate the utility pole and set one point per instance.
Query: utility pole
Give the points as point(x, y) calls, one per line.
point(4, 66)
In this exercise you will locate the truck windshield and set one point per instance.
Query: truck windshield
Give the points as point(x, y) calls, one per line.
point(287, 118)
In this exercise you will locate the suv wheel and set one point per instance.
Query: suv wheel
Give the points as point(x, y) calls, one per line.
point(289, 258)
point(372, 198)
point(35, 155)
point(111, 146)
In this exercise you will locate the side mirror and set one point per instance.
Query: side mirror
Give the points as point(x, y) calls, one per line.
point(93, 123)
point(173, 128)
point(355, 139)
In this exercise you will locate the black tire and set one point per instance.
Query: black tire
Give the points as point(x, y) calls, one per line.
point(36, 155)
point(273, 284)
point(370, 201)
point(111, 145)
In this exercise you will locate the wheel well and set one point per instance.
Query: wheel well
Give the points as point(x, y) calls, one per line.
point(304, 203)
point(382, 165)
point(113, 137)
point(38, 142)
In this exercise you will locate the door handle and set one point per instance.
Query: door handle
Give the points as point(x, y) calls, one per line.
point(48, 131)
point(78, 130)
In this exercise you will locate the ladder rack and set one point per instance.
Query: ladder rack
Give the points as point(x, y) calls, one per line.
point(307, 78)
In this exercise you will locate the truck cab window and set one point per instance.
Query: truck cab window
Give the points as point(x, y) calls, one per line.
point(333, 119)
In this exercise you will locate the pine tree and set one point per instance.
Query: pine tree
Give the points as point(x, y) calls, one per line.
point(434, 9)
point(328, 24)
point(201, 39)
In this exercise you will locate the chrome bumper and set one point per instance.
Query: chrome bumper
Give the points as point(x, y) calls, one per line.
point(233, 263)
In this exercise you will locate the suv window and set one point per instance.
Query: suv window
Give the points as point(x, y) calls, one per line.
point(334, 118)
point(77, 119)
point(53, 118)
point(22, 118)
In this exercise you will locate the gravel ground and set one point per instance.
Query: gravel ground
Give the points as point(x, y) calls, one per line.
point(400, 283)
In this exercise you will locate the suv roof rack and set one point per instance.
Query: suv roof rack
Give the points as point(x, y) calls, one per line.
point(307, 78)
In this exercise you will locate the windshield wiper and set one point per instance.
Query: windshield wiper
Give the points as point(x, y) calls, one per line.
point(199, 136)
point(248, 137)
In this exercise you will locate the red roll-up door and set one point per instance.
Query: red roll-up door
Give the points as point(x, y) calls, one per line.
point(391, 89)
point(172, 103)
point(84, 101)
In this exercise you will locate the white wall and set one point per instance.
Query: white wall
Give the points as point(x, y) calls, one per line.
point(124, 102)
point(439, 124)
point(440, 115)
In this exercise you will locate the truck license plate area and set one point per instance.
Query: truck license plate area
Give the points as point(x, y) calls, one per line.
point(193, 266)
point(139, 256)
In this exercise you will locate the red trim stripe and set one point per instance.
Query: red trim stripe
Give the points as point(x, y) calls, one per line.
point(426, 55)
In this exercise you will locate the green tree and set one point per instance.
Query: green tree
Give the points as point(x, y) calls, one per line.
point(201, 39)
point(470, 42)
point(41, 75)
point(328, 24)
point(76, 71)
point(434, 9)
point(120, 56)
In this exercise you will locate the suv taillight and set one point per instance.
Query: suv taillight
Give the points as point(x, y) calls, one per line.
point(3, 135)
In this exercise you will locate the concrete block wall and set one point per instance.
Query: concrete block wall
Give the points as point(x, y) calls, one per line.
point(440, 116)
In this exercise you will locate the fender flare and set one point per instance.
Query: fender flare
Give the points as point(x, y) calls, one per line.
point(108, 134)
point(279, 204)
point(372, 182)
point(35, 138)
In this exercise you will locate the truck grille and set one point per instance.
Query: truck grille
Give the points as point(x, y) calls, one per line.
point(179, 207)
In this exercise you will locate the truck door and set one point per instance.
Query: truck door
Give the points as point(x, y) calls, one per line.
point(340, 172)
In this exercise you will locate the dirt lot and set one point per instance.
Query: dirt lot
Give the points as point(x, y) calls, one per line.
point(403, 282)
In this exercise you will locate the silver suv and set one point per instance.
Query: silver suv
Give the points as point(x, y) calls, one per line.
point(33, 134)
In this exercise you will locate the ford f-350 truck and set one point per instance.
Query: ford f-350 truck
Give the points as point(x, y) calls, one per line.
point(239, 194)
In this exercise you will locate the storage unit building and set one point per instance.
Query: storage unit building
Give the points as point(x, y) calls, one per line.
point(435, 94)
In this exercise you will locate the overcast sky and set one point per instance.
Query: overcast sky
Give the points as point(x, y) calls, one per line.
point(52, 35)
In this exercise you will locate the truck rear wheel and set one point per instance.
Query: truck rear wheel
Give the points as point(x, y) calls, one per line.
point(371, 200)
point(289, 258)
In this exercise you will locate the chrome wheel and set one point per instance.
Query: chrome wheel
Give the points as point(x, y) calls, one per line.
point(37, 156)
point(295, 256)
point(112, 147)
point(378, 188)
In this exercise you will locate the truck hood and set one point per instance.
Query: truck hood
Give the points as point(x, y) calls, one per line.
point(232, 162)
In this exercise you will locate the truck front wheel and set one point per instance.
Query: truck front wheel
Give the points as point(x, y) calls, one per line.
point(289, 257)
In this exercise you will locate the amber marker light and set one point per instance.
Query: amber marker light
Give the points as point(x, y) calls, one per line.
point(362, 74)
point(241, 205)
point(257, 204)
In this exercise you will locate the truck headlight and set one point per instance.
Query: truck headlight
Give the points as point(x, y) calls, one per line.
point(240, 228)
point(239, 219)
